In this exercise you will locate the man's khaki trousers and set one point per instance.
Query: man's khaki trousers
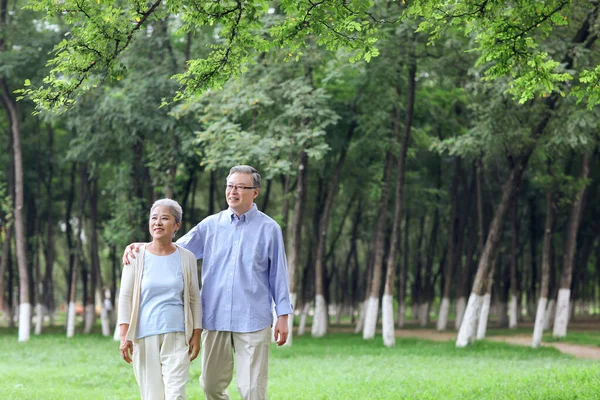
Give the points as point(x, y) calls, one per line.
point(161, 364)
point(251, 362)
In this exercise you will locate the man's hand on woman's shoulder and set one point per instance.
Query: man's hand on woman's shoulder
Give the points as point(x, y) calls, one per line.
point(130, 252)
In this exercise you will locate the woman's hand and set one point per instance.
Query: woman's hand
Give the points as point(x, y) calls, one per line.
point(126, 350)
point(195, 344)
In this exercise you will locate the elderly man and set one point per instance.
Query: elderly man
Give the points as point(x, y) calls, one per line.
point(244, 270)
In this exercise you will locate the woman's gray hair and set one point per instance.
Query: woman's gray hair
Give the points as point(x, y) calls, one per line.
point(246, 169)
point(174, 207)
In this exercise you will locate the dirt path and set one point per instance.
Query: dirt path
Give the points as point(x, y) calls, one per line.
point(579, 351)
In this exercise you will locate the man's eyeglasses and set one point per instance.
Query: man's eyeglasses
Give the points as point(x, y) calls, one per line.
point(238, 188)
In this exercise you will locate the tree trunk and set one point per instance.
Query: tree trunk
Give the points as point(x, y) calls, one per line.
point(71, 316)
point(564, 291)
point(372, 305)
point(484, 312)
point(11, 290)
point(428, 276)
point(449, 270)
point(24, 294)
point(34, 214)
point(512, 324)
point(403, 275)
point(71, 255)
point(389, 338)
point(319, 327)
point(296, 232)
point(352, 267)
point(285, 206)
point(509, 190)
point(463, 279)
point(87, 276)
point(8, 229)
point(267, 196)
point(49, 248)
point(417, 290)
point(187, 223)
point(533, 240)
point(100, 292)
point(545, 281)
point(4, 264)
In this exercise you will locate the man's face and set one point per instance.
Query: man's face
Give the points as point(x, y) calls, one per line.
point(240, 200)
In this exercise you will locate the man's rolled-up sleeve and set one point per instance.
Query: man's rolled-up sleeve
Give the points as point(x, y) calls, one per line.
point(194, 240)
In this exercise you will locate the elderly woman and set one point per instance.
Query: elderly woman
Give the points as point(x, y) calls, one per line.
point(159, 308)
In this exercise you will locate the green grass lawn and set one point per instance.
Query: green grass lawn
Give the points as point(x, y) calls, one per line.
point(339, 366)
point(587, 338)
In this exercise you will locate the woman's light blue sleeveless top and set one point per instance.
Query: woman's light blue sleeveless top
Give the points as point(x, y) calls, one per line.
point(161, 296)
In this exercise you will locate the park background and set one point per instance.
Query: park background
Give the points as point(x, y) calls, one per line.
point(433, 166)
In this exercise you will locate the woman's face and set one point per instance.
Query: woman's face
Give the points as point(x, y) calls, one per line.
point(162, 223)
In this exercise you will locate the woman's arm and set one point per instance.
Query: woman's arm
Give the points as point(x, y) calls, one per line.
point(126, 345)
point(195, 300)
point(126, 295)
point(195, 344)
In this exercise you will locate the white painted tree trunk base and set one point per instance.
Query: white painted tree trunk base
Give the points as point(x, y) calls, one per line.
point(303, 316)
point(461, 304)
point(549, 317)
point(71, 320)
point(484, 315)
point(387, 320)
point(467, 328)
point(105, 322)
point(371, 314)
point(89, 317)
point(538, 328)
point(24, 321)
point(424, 314)
point(401, 316)
point(561, 320)
point(319, 326)
point(512, 312)
point(291, 321)
point(442, 321)
point(39, 318)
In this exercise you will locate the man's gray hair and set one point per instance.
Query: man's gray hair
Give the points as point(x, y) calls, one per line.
point(174, 207)
point(246, 169)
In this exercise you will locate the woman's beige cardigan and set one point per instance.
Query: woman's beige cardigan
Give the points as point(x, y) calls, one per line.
point(129, 297)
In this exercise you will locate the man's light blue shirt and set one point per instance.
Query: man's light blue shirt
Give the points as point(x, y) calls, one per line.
point(244, 270)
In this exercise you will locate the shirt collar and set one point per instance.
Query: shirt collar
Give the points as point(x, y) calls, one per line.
point(246, 217)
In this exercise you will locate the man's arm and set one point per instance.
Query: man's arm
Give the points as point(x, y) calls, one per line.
point(281, 331)
point(279, 286)
point(130, 251)
point(194, 239)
